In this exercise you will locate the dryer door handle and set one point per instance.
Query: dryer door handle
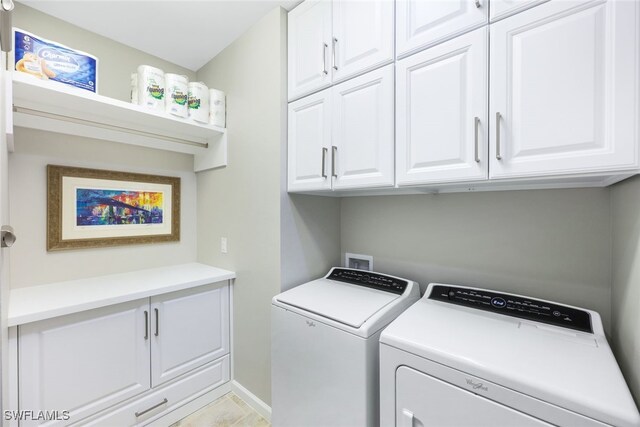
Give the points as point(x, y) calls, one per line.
point(406, 418)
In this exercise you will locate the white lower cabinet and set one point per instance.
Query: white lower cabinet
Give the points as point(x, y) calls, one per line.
point(190, 328)
point(84, 362)
point(441, 112)
point(91, 361)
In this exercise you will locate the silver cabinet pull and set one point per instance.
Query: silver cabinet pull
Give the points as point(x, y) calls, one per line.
point(146, 325)
point(335, 42)
point(334, 155)
point(478, 4)
point(157, 322)
point(498, 155)
point(139, 414)
point(324, 58)
point(324, 160)
point(7, 236)
point(476, 122)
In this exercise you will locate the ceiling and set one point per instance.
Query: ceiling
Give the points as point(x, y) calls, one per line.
point(153, 26)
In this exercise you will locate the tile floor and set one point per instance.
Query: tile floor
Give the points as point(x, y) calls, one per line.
point(227, 411)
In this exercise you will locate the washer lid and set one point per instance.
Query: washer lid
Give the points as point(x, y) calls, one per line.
point(346, 303)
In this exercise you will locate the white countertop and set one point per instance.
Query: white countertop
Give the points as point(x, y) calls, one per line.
point(57, 299)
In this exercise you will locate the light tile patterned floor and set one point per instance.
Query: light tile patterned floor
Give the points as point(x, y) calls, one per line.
point(227, 411)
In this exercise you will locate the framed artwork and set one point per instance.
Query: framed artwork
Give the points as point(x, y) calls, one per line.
point(88, 208)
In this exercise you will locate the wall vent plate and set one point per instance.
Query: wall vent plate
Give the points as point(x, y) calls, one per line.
point(358, 261)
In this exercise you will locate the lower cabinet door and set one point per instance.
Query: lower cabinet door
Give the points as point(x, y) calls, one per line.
point(188, 329)
point(84, 362)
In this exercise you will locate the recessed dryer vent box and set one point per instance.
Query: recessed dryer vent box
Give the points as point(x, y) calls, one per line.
point(358, 261)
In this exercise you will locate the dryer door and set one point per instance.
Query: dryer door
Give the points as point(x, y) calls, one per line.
point(422, 400)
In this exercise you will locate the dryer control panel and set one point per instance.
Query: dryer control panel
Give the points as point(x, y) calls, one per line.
point(369, 280)
point(511, 305)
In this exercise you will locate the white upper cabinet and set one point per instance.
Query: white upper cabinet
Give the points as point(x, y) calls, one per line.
point(309, 142)
point(363, 148)
point(503, 8)
point(441, 116)
point(423, 23)
point(188, 329)
point(309, 44)
point(362, 36)
point(564, 90)
point(333, 41)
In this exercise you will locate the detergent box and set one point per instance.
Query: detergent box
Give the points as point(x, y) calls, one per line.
point(49, 60)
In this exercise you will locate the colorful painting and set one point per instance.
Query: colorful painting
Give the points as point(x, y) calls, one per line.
point(97, 207)
point(89, 208)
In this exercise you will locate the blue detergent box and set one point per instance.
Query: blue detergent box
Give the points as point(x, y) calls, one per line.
point(49, 60)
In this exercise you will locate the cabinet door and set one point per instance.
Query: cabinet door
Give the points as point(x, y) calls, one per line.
point(564, 90)
point(362, 155)
point(503, 8)
point(189, 328)
point(309, 47)
point(362, 36)
point(441, 121)
point(84, 362)
point(309, 142)
point(423, 23)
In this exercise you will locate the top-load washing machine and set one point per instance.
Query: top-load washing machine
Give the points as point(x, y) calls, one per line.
point(471, 357)
point(325, 347)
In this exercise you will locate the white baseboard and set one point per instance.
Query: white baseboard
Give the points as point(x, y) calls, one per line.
point(251, 400)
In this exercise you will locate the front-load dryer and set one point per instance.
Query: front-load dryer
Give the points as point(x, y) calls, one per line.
point(471, 357)
point(325, 347)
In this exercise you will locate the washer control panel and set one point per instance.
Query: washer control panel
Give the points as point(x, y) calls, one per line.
point(369, 280)
point(511, 305)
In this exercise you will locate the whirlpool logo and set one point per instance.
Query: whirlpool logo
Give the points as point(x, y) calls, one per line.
point(476, 385)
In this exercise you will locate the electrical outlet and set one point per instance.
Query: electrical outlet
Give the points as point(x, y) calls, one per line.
point(223, 245)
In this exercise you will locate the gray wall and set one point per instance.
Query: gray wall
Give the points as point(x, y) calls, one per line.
point(271, 245)
point(552, 244)
point(240, 201)
point(31, 264)
point(625, 205)
point(116, 61)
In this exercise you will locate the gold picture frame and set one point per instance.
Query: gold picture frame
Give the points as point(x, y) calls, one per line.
point(91, 208)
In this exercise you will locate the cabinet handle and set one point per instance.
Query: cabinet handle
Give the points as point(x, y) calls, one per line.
point(334, 155)
point(157, 322)
point(146, 325)
point(407, 418)
point(335, 42)
point(477, 148)
point(139, 414)
point(324, 160)
point(498, 155)
point(324, 58)
point(478, 4)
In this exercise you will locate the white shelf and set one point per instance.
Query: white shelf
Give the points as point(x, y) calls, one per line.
point(58, 299)
point(56, 107)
